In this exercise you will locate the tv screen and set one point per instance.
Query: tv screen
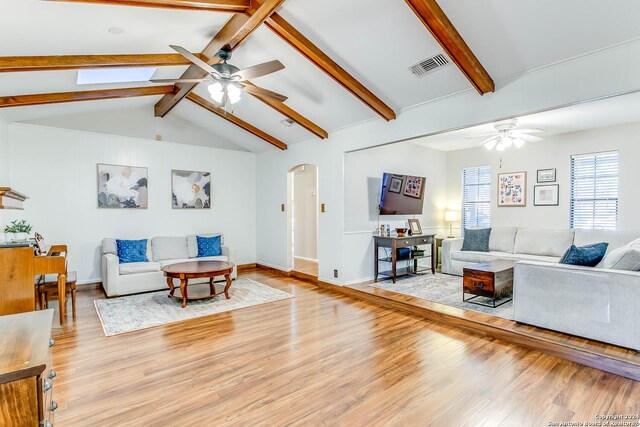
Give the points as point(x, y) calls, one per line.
point(402, 194)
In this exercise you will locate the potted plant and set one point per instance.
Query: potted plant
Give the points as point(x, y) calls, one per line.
point(20, 230)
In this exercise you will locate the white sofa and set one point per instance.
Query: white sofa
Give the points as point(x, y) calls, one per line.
point(135, 277)
point(590, 302)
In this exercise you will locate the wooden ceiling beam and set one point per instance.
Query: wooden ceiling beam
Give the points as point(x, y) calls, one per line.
point(89, 95)
point(299, 42)
point(235, 31)
point(438, 24)
point(76, 62)
point(234, 6)
point(235, 120)
point(287, 111)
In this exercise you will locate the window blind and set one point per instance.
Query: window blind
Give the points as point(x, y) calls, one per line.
point(594, 191)
point(476, 197)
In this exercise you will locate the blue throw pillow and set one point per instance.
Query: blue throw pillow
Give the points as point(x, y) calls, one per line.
point(208, 246)
point(476, 239)
point(132, 251)
point(587, 256)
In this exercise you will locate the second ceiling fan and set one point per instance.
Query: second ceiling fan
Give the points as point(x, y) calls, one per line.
point(228, 81)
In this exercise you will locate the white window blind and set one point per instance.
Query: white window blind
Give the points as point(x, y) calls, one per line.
point(476, 197)
point(594, 190)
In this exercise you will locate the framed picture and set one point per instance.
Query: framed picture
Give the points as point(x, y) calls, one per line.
point(122, 187)
point(395, 185)
point(546, 175)
point(415, 227)
point(190, 189)
point(413, 187)
point(546, 195)
point(512, 189)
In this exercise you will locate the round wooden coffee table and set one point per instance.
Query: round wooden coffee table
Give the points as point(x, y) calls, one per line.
point(195, 270)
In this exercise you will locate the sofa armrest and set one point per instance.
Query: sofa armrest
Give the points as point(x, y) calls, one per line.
point(110, 273)
point(449, 246)
point(595, 303)
point(232, 255)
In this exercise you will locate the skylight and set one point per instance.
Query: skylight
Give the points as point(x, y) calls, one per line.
point(115, 75)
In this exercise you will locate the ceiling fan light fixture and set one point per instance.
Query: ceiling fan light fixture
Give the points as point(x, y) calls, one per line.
point(234, 93)
point(500, 146)
point(507, 141)
point(216, 91)
point(518, 142)
point(490, 144)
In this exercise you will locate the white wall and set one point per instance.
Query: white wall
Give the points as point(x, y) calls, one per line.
point(553, 152)
point(305, 197)
point(363, 181)
point(605, 72)
point(4, 167)
point(56, 168)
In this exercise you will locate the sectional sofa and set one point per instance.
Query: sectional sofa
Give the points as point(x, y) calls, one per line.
point(135, 277)
point(591, 302)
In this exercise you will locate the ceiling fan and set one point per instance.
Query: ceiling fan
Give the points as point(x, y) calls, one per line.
point(228, 81)
point(508, 135)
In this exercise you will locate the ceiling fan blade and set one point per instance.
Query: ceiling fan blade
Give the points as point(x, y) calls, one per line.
point(533, 130)
point(197, 61)
point(489, 139)
point(524, 136)
point(481, 135)
point(258, 70)
point(176, 80)
point(264, 93)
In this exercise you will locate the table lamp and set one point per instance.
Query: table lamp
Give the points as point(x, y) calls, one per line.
point(450, 217)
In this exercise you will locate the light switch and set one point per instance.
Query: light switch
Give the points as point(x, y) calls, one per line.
point(322, 208)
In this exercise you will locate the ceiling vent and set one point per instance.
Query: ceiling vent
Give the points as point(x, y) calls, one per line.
point(287, 122)
point(429, 65)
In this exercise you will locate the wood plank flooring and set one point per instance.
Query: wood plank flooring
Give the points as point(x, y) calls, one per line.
point(317, 359)
point(305, 266)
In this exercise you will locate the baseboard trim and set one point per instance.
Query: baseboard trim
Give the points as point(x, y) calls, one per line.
point(296, 274)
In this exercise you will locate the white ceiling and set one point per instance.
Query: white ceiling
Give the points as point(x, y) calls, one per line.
point(375, 44)
point(606, 112)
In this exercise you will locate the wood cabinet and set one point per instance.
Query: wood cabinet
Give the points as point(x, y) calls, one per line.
point(394, 243)
point(17, 290)
point(26, 374)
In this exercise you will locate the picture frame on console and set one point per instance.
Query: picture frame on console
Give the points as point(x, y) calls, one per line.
point(546, 195)
point(414, 227)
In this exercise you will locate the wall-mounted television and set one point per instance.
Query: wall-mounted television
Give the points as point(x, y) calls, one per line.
point(402, 194)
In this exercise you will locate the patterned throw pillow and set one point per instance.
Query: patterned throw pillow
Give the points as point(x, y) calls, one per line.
point(132, 251)
point(208, 246)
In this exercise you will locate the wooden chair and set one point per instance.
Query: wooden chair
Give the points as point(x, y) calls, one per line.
point(49, 282)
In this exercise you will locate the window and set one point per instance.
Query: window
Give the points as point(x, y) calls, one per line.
point(594, 190)
point(476, 197)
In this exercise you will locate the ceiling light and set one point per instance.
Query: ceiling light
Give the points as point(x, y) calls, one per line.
point(507, 141)
point(234, 93)
point(216, 91)
point(518, 142)
point(500, 146)
point(489, 145)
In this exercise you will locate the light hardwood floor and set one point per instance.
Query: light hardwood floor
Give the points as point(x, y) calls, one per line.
point(317, 359)
point(306, 266)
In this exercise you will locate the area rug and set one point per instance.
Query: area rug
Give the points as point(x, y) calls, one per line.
point(444, 289)
point(136, 312)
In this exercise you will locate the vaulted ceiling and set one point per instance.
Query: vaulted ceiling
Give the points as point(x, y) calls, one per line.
point(374, 42)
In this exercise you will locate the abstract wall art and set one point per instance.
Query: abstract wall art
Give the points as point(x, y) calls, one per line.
point(190, 189)
point(512, 189)
point(122, 187)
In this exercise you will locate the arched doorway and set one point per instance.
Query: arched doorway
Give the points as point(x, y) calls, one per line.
point(302, 219)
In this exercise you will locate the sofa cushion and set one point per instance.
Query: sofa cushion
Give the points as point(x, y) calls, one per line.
point(615, 238)
point(624, 258)
point(165, 262)
point(473, 256)
point(109, 246)
point(139, 267)
point(587, 256)
point(192, 242)
point(169, 248)
point(543, 242)
point(476, 240)
point(130, 251)
point(208, 246)
point(502, 239)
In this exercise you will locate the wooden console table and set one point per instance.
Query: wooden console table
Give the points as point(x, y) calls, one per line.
point(394, 243)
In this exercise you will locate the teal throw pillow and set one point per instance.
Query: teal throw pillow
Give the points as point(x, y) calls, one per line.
point(476, 239)
point(209, 246)
point(132, 251)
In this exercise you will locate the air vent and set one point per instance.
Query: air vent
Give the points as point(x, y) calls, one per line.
point(287, 122)
point(429, 65)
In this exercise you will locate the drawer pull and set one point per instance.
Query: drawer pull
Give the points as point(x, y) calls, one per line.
point(52, 342)
point(478, 285)
point(52, 374)
point(53, 406)
point(47, 386)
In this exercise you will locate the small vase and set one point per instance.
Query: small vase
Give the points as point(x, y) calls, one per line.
point(20, 237)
